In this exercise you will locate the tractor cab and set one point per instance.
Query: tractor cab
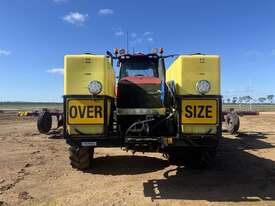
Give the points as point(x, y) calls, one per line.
point(139, 84)
point(141, 93)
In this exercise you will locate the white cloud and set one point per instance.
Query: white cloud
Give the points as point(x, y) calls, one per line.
point(60, 1)
point(105, 12)
point(253, 53)
point(139, 40)
point(150, 39)
point(119, 33)
point(147, 33)
point(4, 52)
point(136, 41)
point(134, 35)
point(76, 18)
point(56, 71)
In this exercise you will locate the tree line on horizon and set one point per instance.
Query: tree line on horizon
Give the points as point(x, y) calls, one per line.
point(247, 99)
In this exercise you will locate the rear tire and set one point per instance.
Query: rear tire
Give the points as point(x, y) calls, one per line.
point(232, 121)
point(81, 157)
point(44, 122)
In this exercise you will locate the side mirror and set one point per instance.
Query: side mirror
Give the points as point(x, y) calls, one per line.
point(109, 54)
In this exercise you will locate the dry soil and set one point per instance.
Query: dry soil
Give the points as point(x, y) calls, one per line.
point(34, 170)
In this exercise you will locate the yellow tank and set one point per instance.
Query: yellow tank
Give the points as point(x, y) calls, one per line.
point(79, 70)
point(186, 71)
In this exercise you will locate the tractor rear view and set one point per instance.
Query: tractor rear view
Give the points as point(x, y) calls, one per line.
point(176, 112)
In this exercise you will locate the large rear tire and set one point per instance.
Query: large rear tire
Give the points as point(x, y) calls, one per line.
point(44, 122)
point(81, 157)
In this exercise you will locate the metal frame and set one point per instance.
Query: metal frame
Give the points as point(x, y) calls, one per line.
point(140, 111)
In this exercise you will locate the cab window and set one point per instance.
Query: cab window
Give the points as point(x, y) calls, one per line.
point(139, 67)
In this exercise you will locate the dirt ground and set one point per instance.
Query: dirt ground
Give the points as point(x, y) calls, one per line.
point(34, 170)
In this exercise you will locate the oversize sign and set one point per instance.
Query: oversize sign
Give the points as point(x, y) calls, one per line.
point(199, 111)
point(85, 111)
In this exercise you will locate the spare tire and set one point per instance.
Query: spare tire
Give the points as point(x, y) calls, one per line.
point(232, 121)
point(44, 122)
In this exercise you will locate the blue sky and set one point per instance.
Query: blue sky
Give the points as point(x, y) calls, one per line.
point(36, 34)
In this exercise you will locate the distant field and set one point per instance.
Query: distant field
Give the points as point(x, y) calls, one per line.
point(254, 107)
point(28, 105)
point(32, 106)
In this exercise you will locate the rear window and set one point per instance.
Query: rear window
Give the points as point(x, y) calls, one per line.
point(139, 67)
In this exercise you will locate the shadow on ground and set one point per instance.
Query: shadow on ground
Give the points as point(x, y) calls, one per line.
point(236, 176)
point(127, 165)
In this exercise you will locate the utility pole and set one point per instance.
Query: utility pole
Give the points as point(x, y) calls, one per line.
point(127, 42)
point(250, 94)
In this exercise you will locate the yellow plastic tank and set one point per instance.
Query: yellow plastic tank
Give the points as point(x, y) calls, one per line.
point(186, 71)
point(79, 70)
